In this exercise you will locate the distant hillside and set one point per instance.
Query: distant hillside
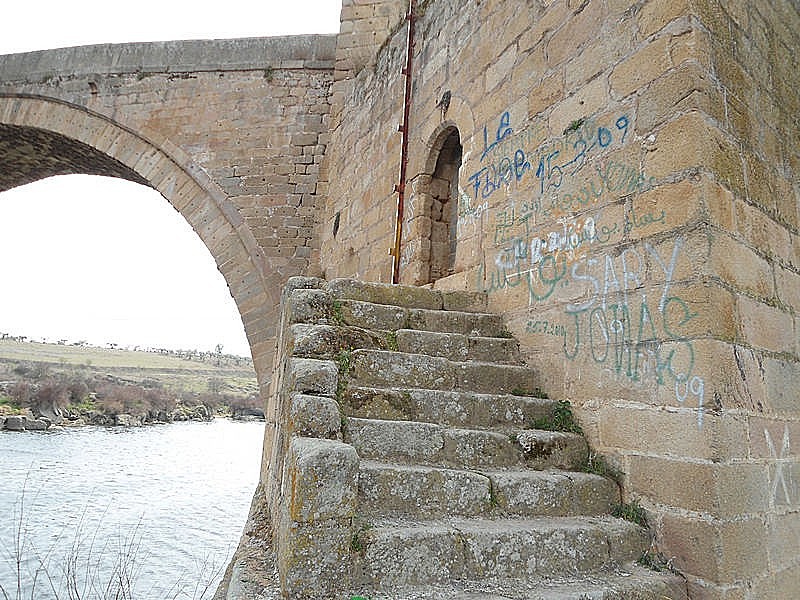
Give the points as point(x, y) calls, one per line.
point(179, 371)
point(75, 384)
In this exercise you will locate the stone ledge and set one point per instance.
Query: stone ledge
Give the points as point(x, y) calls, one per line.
point(190, 56)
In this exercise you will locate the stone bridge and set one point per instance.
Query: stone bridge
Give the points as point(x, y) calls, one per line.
point(231, 133)
point(620, 177)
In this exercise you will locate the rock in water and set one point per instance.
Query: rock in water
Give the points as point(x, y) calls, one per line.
point(16, 423)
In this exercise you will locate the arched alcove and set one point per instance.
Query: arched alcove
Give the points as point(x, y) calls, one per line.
point(444, 206)
point(431, 222)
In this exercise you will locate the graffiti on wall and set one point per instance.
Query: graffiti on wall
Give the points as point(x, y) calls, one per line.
point(549, 166)
point(548, 243)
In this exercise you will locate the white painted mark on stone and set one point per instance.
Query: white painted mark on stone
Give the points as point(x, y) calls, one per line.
point(781, 462)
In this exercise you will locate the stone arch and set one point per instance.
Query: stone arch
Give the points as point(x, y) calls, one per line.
point(41, 137)
point(443, 193)
point(426, 145)
point(431, 221)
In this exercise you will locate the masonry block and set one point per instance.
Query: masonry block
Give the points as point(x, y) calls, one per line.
point(312, 376)
point(322, 479)
point(314, 416)
point(314, 559)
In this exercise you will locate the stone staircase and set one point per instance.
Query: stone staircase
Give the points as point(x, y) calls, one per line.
point(411, 467)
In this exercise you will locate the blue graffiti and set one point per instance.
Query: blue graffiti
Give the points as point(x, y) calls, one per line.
point(503, 131)
point(552, 166)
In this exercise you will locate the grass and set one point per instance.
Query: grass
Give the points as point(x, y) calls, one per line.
point(574, 126)
point(343, 360)
point(9, 407)
point(494, 502)
point(117, 358)
point(357, 543)
point(391, 341)
point(561, 419)
point(631, 511)
point(655, 561)
point(536, 393)
point(337, 313)
point(93, 567)
point(173, 372)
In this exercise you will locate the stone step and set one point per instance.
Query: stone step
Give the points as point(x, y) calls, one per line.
point(461, 409)
point(552, 493)
point(430, 492)
point(379, 317)
point(431, 444)
point(378, 368)
point(408, 296)
point(321, 340)
point(399, 553)
point(424, 492)
point(458, 347)
point(631, 582)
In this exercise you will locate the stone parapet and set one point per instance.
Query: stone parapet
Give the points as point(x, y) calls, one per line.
point(191, 56)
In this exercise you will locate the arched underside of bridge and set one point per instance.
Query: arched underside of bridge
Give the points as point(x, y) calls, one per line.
point(41, 137)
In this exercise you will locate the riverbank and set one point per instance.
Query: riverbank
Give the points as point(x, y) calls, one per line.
point(46, 385)
point(29, 422)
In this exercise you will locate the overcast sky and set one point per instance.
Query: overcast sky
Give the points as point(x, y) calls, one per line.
point(106, 260)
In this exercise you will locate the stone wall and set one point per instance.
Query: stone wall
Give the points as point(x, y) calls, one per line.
point(628, 196)
point(362, 165)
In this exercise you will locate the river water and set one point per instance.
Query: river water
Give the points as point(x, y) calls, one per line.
point(155, 510)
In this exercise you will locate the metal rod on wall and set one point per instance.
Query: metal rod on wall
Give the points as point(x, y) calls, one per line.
point(401, 186)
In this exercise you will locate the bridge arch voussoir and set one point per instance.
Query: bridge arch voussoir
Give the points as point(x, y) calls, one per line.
point(115, 150)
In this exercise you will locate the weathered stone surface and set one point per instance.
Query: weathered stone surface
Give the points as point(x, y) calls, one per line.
point(493, 349)
point(377, 293)
point(465, 301)
point(446, 345)
point(37, 424)
point(314, 559)
point(125, 420)
point(489, 377)
point(466, 549)
point(631, 583)
point(322, 477)
point(553, 448)
point(369, 315)
point(312, 376)
point(314, 416)
point(308, 306)
point(458, 347)
point(16, 423)
point(428, 443)
point(424, 492)
point(373, 316)
point(447, 407)
point(327, 341)
point(394, 369)
point(551, 493)
point(300, 282)
point(474, 324)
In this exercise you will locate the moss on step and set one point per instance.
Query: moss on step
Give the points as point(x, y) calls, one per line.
point(562, 419)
